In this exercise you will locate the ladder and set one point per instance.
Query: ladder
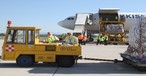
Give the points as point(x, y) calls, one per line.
point(81, 21)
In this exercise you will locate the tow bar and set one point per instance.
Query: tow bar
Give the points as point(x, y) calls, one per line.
point(97, 59)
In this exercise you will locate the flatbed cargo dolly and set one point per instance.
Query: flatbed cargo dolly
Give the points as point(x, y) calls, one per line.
point(135, 62)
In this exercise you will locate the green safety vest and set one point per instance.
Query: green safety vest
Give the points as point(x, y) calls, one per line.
point(106, 38)
point(70, 40)
point(102, 38)
point(51, 39)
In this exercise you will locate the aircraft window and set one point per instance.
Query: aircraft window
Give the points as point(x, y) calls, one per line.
point(70, 18)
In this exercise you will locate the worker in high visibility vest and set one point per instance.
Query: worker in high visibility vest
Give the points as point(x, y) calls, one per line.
point(84, 40)
point(71, 40)
point(51, 39)
point(105, 39)
point(80, 38)
point(123, 40)
point(98, 39)
point(101, 39)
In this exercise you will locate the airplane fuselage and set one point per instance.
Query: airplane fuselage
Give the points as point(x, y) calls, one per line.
point(130, 19)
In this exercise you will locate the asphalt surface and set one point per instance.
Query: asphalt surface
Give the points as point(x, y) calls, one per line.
point(84, 67)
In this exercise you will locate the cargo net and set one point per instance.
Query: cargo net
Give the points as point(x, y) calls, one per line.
point(137, 39)
point(115, 28)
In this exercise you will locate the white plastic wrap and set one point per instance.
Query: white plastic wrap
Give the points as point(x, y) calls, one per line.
point(137, 39)
point(115, 28)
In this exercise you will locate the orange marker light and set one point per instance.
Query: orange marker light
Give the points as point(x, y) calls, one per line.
point(9, 23)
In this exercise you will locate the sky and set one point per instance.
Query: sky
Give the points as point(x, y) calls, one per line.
point(47, 13)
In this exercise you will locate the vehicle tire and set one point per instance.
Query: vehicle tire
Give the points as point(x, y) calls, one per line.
point(25, 61)
point(115, 43)
point(91, 39)
point(83, 43)
point(65, 61)
point(127, 43)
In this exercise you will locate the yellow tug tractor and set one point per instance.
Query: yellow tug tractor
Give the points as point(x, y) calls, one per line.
point(21, 44)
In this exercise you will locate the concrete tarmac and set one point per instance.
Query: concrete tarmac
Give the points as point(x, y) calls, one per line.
point(84, 67)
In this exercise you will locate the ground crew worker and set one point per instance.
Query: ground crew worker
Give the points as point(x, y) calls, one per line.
point(123, 40)
point(51, 39)
point(101, 39)
point(105, 39)
point(76, 40)
point(98, 39)
point(80, 38)
point(71, 40)
point(84, 40)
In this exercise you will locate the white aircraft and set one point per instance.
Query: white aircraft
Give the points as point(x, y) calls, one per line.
point(93, 23)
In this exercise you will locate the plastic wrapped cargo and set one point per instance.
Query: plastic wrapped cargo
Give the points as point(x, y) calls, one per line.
point(115, 28)
point(137, 39)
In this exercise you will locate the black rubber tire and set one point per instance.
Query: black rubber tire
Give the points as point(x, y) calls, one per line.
point(25, 61)
point(65, 61)
point(115, 43)
point(127, 43)
point(126, 61)
point(91, 39)
point(84, 43)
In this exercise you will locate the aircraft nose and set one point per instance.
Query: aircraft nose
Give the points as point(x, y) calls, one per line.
point(60, 23)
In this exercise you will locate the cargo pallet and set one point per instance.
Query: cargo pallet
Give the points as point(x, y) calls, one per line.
point(136, 63)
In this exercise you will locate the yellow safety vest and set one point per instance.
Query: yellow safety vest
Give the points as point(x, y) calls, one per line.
point(51, 39)
point(101, 38)
point(106, 38)
point(70, 40)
